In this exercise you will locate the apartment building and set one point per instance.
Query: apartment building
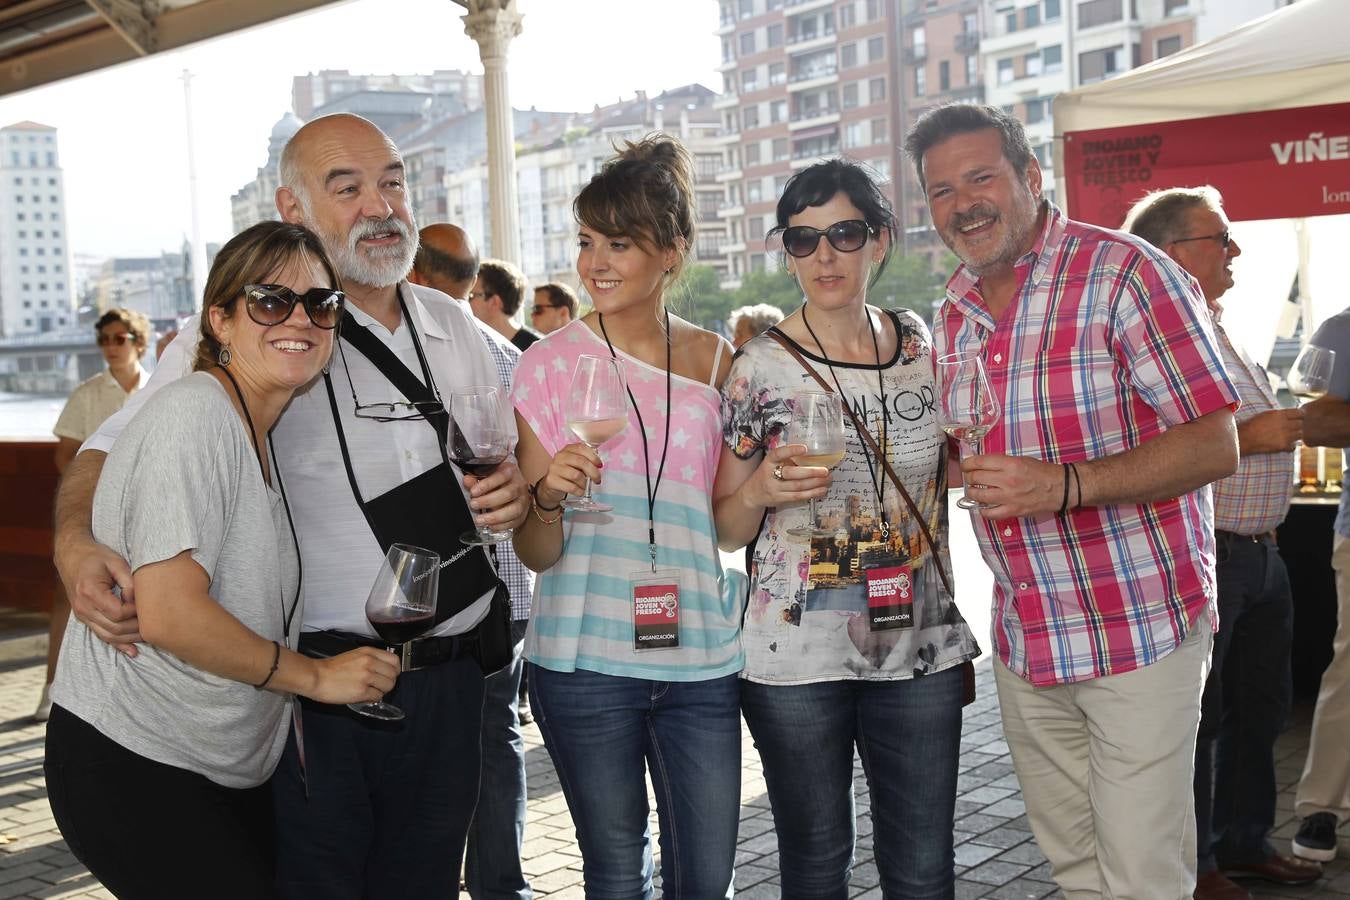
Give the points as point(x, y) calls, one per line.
point(36, 288)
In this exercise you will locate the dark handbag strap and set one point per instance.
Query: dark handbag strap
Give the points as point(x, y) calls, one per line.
point(866, 435)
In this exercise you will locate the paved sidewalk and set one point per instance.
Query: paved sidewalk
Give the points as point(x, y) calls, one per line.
point(996, 856)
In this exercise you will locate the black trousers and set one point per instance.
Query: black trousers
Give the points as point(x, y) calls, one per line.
point(148, 830)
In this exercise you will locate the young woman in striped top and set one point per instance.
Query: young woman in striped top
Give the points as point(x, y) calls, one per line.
point(611, 701)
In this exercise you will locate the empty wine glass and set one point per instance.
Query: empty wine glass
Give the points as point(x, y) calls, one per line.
point(818, 423)
point(401, 606)
point(966, 406)
point(597, 410)
point(479, 442)
point(1310, 375)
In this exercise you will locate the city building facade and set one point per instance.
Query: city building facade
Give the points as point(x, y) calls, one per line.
point(36, 287)
point(317, 89)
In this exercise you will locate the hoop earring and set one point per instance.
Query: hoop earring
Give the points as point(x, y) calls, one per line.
point(224, 357)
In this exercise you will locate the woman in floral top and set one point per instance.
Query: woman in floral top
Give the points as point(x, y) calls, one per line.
point(851, 636)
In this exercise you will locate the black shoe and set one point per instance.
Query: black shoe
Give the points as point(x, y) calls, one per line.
point(1316, 838)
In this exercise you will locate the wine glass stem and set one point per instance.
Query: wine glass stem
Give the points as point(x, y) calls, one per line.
point(811, 512)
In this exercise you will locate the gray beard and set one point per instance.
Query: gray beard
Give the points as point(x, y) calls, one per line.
point(377, 268)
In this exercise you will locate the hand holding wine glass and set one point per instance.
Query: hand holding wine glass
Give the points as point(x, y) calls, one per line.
point(479, 442)
point(401, 606)
point(597, 411)
point(1310, 375)
point(818, 424)
point(967, 409)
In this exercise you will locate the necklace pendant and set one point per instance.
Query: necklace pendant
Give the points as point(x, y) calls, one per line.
point(885, 530)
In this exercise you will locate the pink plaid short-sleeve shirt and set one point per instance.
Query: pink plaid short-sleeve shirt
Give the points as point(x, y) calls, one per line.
point(1107, 344)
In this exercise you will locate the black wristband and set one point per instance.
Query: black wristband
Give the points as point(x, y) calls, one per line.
point(534, 495)
point(276, 661)
point(1064, 503)
point(1078, 483)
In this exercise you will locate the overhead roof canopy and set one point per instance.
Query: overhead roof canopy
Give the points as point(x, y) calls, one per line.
point(42, 41)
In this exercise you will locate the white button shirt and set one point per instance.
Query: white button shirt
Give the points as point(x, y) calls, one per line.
point(339, 554)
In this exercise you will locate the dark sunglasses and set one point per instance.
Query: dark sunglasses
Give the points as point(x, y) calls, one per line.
point(272, 304)
point(118, 339)
point(1222, 237)
point(538, 308)
point(847, 236)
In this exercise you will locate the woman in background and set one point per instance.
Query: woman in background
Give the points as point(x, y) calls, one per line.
point(123, 336)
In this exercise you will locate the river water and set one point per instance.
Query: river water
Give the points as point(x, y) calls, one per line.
point(29, 415)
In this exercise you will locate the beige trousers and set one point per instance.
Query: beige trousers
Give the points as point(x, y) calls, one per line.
point(1106, 766)
point(1325, 785)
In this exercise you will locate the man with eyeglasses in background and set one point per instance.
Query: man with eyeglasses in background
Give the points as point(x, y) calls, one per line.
point(1248, 692)
point(496, 297)
point(364, 808)
point(555, 304)
point(447, 261)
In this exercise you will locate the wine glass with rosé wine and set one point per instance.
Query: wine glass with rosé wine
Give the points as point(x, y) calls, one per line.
point(597, 411)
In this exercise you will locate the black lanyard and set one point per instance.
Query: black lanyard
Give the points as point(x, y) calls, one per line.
point(287, 615)
point(642, 432)
point(878, 484)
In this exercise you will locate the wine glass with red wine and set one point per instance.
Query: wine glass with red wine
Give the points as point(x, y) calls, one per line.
point(401, 606)
point(479, 442)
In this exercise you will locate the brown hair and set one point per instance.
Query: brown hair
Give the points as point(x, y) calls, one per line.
point(645, 192)
point(253, 254)
point(136, 324)
point(559, 295)
point(505, 280)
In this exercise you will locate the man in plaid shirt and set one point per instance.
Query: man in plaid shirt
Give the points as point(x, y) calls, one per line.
point(1116, 411)
point(1247, 695)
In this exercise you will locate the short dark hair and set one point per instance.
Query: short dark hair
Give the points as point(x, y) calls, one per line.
point(136, 324)
point(505, 280)
point(942, 122)
point(560, 295)
point(1160, 216)
point(430, 260)
point(817, 184)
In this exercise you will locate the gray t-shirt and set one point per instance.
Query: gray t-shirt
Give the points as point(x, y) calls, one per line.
point(183, 476)
point(1334, 334)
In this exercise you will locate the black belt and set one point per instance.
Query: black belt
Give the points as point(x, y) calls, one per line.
point(1266, 537)
point(418, 653)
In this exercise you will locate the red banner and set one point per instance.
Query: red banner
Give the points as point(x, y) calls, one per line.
point(1282, 163)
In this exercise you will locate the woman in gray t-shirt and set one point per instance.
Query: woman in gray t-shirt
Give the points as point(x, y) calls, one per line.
point(155, 762)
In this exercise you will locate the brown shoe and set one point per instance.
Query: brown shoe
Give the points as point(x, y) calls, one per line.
point(1214, 886)
point(1276, 868)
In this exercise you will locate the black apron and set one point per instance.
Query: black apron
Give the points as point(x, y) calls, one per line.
point(429, 511)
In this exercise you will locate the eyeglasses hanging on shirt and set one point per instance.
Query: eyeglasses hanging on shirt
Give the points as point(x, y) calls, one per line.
point(395, 410)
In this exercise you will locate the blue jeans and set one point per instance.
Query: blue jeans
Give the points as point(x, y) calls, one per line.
point(1244, 705)
point(389, 804)
point(604, 733)
point(492, 861)
point(908, 734)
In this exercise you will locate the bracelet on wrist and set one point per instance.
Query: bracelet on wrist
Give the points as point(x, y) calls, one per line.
point(276, 662)
point(534, 498)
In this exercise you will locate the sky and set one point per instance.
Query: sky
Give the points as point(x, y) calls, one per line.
point(122, 133)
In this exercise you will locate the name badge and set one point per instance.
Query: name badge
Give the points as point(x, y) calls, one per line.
point(890, 598)
point(656, 609)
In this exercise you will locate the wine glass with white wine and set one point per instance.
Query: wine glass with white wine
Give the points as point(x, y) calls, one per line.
point(818, 423)
point(1310, 375)
point(967, 409)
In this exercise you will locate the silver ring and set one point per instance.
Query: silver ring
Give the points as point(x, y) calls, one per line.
point(778, 471)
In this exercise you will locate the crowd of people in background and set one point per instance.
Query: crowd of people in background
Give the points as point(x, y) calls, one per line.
point(218, 525)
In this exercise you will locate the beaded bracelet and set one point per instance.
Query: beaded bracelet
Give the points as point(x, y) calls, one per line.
point(276, 661)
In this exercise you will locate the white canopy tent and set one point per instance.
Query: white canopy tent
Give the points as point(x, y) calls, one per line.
point(1297, 57)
